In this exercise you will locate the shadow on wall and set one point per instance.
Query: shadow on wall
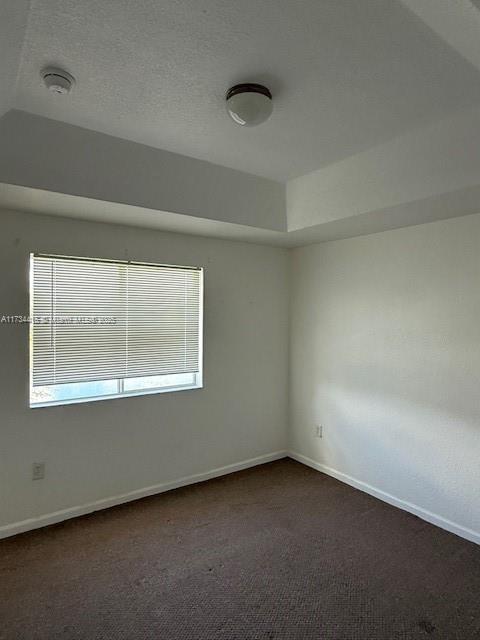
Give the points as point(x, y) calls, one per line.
point(417, 453)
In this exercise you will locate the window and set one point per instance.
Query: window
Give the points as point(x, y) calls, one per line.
point(104, 329)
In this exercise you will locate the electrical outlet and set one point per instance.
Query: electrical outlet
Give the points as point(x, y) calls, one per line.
point(318, 431)
point(38, 471)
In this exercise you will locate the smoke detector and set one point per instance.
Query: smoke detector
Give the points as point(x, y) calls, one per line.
point(249, 104)
point(57, 80)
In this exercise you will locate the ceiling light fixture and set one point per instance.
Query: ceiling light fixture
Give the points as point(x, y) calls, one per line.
point(57, 80)
point(249, 104)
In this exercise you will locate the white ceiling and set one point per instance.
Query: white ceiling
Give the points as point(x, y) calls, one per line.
point(346, 75)
point(13, 21)
point(376, 122)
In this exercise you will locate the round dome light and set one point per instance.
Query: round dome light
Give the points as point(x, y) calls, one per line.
point(249, 104)
point(57, 80)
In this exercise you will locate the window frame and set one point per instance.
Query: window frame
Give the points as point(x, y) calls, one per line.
point(121, 393)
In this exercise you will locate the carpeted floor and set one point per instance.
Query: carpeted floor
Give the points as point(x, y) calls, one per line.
point(275, 552)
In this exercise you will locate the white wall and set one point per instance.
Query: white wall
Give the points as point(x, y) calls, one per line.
point(101, 449)
point(385, 354)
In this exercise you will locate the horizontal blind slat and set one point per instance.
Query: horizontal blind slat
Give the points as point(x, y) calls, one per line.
point(152, 311)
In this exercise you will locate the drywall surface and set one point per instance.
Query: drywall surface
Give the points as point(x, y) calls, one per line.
point(93, 165)
point(13, 23)
point(97, 450)
point(437, 161)
point(385, 355)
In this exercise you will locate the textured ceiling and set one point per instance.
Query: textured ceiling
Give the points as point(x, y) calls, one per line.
point(13, 20)
point(347, 75)
point(376, 122)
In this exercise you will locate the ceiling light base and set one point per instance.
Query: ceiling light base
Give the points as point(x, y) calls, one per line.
point(249, 104)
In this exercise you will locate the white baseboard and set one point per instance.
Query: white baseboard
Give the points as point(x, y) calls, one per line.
point(104, 503)
point(433, 518)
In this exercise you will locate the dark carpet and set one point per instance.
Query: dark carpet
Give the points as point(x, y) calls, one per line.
point(275, 552)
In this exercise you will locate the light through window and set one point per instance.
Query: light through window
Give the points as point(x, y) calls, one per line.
point(103, 329)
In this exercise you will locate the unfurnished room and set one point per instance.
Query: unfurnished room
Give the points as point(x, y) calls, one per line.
point(239, 320)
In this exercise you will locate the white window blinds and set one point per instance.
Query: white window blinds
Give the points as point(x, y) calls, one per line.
point(100, 320)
